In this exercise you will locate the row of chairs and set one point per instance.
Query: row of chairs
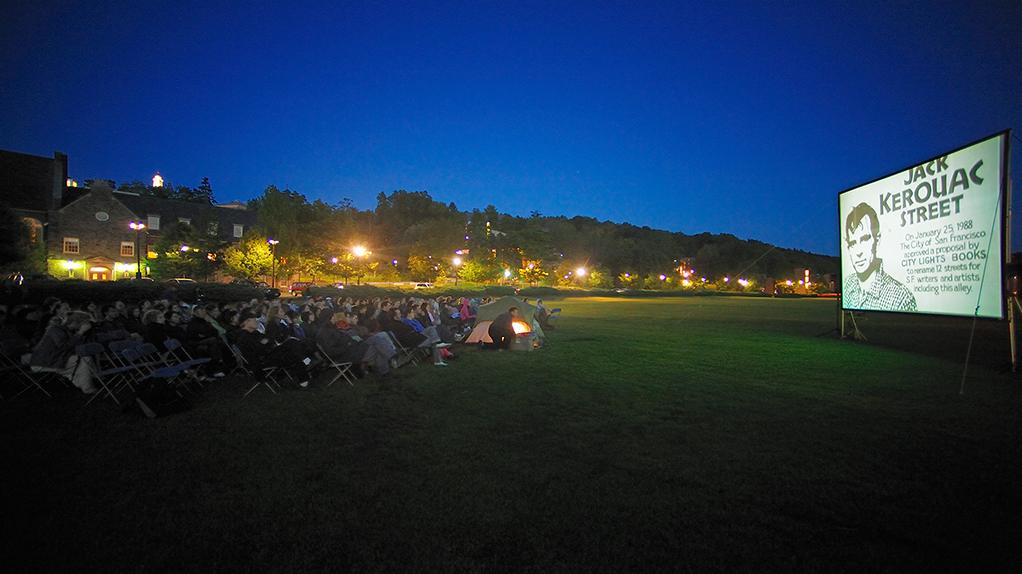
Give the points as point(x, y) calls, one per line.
point(124, 364)
point(270, 377)
point(120, 363)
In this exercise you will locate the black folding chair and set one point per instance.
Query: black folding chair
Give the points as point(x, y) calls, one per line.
point(10, 364)
point(343, 369)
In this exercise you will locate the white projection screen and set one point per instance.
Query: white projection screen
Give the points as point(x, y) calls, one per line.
point(929, 238)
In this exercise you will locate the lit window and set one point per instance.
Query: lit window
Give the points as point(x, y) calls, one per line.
point(212, 228)
point(184, 220)
point(127, 249)
point(71, 245)
point(154, 222)
point(239, 230)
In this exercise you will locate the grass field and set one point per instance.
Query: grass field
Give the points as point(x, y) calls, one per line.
point(685, 434)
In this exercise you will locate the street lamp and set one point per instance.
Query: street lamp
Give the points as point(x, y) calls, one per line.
point(138, 226)
point(273, 261)
point(359, 251)
point(457, 263)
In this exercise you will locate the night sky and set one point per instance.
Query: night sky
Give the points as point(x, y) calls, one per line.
point(723, 118)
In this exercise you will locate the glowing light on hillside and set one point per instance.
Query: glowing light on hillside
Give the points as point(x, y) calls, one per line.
point(663, 277)
point(727, 279)
point(157, 180)
point(507, 273)
point(743, 282)
point(359, 251)
point(686, 282)
point(456, 261)
point(788, 282)
point(581, 272)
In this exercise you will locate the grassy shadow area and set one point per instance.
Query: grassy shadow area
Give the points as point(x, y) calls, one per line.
point(685, 434)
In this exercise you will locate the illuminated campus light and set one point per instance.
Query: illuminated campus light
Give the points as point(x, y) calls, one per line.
point(359, 251)
point(581, 272)
point(507, 273)
point(456, 261)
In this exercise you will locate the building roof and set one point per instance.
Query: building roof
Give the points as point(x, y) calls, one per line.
point(170, 210)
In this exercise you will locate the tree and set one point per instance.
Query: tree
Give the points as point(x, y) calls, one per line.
point(181, 251)
point(250, 258)
point(204, 193)
point(599, 279)
point(627, 279)
point(421, 268)
point(532, 272)
point(14, 234)
point(478, 271)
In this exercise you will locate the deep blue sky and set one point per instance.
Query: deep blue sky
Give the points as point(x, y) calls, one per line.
point(712, 117)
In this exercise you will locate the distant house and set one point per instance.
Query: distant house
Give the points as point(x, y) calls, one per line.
point(86, 230)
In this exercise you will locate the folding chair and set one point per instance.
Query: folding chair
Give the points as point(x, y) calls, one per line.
point(266, 376)
point(408, 354)
point(343, 369)
point(239, 361)
point(175, 350)
point(10, 363)
point(110, 379)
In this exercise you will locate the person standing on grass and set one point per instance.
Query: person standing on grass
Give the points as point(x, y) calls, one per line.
point(502, 330)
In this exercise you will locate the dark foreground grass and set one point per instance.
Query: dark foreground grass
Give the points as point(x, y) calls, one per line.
point(684, 434)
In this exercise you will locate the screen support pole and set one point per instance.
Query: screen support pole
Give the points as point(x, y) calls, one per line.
point(854, 332)
point(1013, 304)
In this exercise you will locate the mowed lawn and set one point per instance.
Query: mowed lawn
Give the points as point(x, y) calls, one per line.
point(693, 434)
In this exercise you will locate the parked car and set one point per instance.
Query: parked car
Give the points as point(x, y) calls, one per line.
point(268, 292)
point(299, 288)
point(423, 285)
point(180, 281)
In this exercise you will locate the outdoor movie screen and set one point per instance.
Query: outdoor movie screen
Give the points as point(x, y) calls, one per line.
point(929, 238)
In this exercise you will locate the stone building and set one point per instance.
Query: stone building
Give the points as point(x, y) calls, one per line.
point(86, 231)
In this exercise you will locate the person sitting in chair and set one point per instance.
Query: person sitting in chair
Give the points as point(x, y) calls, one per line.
point(55, 352)
point(376, 350)
point(261, 352)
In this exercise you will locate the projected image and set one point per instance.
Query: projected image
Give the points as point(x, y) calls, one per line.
point(869, 287)
point(928, 239)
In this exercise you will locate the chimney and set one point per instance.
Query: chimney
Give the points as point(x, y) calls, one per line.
point(59, 186)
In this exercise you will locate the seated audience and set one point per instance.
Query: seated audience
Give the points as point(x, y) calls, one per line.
point(55, 352)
